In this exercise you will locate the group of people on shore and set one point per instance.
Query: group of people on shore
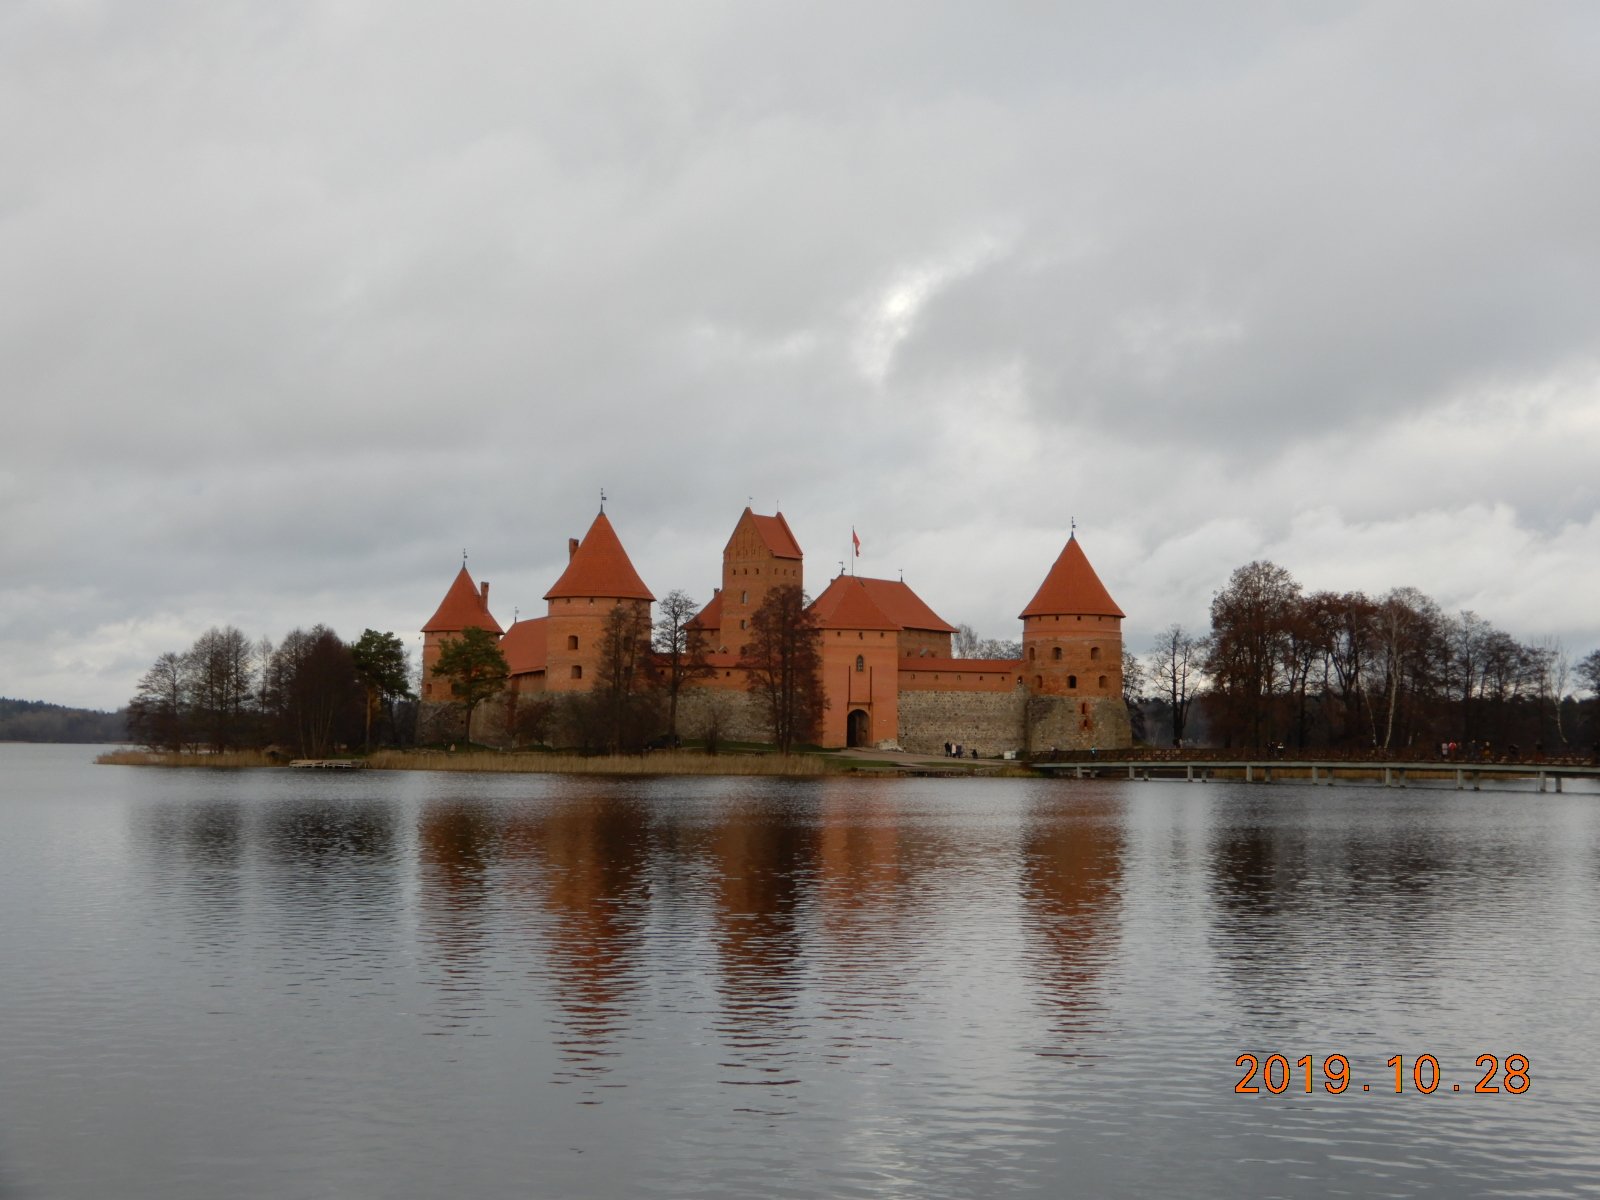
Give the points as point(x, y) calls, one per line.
point(956, 750)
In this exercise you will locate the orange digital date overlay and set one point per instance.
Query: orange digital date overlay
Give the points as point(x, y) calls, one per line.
point(1276, 1074)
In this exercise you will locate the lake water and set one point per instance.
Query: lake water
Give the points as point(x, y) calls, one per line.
point(292, 984)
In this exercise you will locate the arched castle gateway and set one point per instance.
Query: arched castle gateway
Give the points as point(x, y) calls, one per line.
point(887, 665)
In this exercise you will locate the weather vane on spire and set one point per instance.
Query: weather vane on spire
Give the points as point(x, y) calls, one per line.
point(602, 499)
point(463, 556)
point(1074, 525)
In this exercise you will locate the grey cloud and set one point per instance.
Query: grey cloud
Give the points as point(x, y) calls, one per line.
point(304, 298)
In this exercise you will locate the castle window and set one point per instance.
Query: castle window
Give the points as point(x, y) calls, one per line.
point(1030, 653)
point(1094, 653)
point(861, 663)
point(572, 642)
point(861, 635)
point(1038, 681)
point(1056, 653)
point(1084, 708)
point(742, 623)
point(577, 671)
point(1102, 683)
point(1072, 681)
point(744, 597)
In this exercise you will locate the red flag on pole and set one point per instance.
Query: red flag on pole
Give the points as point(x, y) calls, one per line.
point(855, 540)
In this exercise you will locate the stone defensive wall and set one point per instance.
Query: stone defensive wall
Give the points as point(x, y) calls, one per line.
point(994, 722)
point(738, 715)
point(991, 720)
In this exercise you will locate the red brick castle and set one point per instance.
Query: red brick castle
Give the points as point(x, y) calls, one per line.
point(888, 670)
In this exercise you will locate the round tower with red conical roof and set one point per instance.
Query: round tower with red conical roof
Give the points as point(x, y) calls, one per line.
point(1072, 648)
point(465, 606)
point(598, 578)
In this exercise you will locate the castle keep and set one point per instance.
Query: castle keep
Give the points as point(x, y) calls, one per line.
point(888, 669)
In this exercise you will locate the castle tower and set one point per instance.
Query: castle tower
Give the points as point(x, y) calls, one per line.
point(465, 606)
point(599, 576)
point(1072, 636)
point(761, 554)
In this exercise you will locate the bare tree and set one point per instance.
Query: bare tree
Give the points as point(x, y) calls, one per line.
point(681, 649)
point(626, 679)
point(222, 671)
point(785, 660)
point(1248, 645)
point(158, 713)
point(1588, 672)
point(964, 642)
point(1554, 666)
point(1174, 669)
point(999, 649)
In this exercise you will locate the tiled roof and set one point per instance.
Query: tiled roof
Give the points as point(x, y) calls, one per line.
point(600, 567)
point(846, 604)
point(775, 532)
point(709, 617)
point(1072, 589)
point(463, 607)
point(901, 604)
point(525, 647)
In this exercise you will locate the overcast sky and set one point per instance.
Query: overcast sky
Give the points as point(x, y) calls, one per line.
point(301, 299)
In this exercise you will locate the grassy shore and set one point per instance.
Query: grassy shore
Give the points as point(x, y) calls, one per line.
point(659, 763)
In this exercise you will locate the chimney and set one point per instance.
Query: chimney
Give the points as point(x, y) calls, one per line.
point(572, 548)
point(483, 590)
point(716, 591)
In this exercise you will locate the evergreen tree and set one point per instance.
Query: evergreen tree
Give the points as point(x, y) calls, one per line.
point(475, 669)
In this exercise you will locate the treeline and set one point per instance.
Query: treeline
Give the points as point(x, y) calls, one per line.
point(309, 694)
point(36, 721)
point(1347, 671)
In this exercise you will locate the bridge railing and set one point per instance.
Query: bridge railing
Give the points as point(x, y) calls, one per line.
point(1267, 754)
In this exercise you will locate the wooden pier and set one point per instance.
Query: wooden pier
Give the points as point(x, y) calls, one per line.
point(329, 764)
point(1321, 771)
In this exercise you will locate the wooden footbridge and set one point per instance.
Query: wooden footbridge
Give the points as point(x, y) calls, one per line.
point(1391, 772)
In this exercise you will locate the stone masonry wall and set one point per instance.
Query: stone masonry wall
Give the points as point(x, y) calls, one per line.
point(738, 714)
point(995, 722)
point(989, 721)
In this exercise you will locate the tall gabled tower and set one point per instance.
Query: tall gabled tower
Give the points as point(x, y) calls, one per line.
point(599, 576)
point(1072, 633)
point(465, 606)
point(761, 554)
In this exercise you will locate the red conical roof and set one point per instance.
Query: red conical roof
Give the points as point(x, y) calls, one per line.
point(600, 567)
point(1072, 589)
point(463, 607)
